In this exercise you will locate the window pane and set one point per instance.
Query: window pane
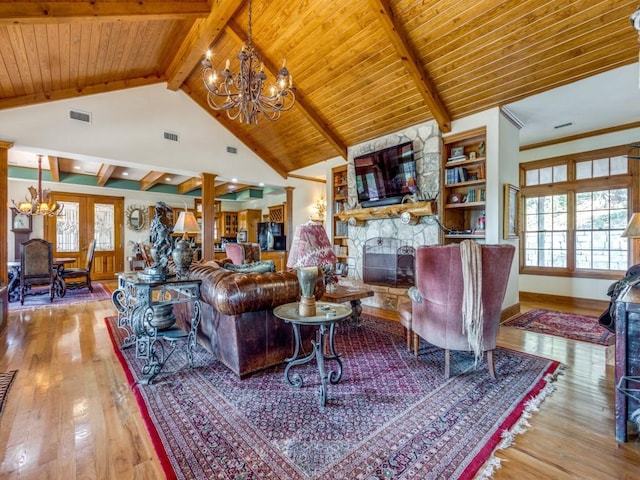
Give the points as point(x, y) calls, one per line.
point(560, 221)
point(583, 201)
point(601, 167)
point(618, 165)
point(559, 241)
point(546, 175)
point(531, 177)
point(583, 220)
point(583, 170)
point(104, 226)
point(560, 203)
point(531, 241)
point(560, 173)
point(67, 233)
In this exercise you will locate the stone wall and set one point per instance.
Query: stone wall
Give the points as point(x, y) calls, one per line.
point(427, 144)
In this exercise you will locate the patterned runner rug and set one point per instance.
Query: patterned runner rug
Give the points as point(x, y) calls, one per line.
point(6, 379)
point(391, 416)
point(560, 324)
point(82, 295)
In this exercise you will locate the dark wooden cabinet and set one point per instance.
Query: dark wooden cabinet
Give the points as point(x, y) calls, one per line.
point(627, 392)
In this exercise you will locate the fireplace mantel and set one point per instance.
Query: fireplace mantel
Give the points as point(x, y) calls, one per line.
point(416, 209)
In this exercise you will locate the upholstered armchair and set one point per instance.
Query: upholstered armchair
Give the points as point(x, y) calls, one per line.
point(437, 305)
point(36, 268)
point(243, 253)
point(80, 277)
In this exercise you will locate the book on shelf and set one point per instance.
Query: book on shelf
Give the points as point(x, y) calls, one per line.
point(457, 158)
point(456, 175)
point(342, 228)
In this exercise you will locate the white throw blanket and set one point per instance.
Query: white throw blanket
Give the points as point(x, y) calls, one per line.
point(472, 314)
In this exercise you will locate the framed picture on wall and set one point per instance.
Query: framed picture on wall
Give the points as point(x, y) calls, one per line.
point(511, 210)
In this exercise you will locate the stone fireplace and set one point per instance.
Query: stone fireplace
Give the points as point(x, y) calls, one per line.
point(427, 143)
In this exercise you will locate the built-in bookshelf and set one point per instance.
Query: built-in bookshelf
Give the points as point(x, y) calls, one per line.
point(339, 198)
point(464, 185)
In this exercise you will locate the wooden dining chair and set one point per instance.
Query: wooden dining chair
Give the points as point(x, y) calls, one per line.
point(36, 269)
point(80, 277)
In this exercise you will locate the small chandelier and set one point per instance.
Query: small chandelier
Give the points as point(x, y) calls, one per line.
point(39, 202)
point(240, 94)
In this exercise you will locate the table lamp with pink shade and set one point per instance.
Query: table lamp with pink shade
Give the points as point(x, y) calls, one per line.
point(310, 249)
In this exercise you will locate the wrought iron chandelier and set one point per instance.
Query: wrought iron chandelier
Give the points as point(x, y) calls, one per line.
point(240, 94)
point(39, 202)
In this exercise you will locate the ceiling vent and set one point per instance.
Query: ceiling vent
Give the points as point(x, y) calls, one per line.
point(233, 150)
point(563, 125)
point(80, 116)
point(171, 136)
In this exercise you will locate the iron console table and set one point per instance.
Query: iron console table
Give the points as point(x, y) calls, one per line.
point(145, 312)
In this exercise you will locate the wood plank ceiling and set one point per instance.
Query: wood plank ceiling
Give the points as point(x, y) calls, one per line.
point(362, 68)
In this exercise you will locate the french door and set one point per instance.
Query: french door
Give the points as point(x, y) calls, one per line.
point(84, 218)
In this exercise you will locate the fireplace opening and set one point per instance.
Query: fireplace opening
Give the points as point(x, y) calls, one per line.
point(387, 262)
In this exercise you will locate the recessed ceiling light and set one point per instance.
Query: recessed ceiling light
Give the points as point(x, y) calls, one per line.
point(125, 174)
point(76, 167)
point(261, 184)
point(168, 179)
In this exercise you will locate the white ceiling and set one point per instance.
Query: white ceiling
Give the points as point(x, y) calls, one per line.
point(605, 100)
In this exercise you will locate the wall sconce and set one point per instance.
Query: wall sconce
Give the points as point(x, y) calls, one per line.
point(321, 209)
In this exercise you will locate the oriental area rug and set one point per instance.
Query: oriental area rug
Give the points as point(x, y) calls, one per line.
point(6, 379)
point(560, 324)
point(81, 295)
point(391, 416)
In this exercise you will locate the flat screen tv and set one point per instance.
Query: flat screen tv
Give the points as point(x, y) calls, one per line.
point(386, 176)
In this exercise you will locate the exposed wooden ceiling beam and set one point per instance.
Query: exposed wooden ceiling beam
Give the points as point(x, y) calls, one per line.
point(311, 179)
point(190, 185)
point(301, 103)
point(150, 179)
point(237, 131)
point(104, 173)
point(74, 92)
point(70, 12)
point(198, 40)
point(54, 168)
point(412, 64)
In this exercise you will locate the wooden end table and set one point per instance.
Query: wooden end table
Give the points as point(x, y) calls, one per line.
point(342, 294)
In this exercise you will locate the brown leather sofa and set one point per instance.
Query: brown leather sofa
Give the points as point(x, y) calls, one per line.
point(237, 323)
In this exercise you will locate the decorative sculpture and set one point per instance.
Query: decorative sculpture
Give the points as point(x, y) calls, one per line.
point(161, 228)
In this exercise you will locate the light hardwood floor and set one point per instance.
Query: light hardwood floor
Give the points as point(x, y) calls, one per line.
point(70, 413)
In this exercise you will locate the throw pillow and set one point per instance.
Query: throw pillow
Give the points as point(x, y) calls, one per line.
point(264, 266)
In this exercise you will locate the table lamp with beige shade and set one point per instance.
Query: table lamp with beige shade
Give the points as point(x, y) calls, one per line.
point(310, 249)
point(633, 227)
point(182, 252)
